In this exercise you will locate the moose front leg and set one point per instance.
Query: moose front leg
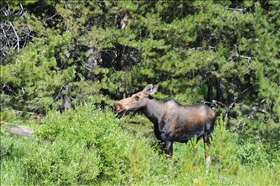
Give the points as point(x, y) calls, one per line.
point(169, 149)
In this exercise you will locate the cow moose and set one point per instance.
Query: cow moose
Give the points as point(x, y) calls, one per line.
point(172, 121)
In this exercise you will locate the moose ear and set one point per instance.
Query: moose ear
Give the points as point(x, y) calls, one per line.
point(153, 89)
point(148, 88)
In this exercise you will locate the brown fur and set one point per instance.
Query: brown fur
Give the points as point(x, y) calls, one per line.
point(172, 121)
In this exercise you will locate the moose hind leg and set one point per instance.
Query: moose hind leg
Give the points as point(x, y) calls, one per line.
point(208, 130)
point(206, 142)
point(209, 127)
point(206, 149)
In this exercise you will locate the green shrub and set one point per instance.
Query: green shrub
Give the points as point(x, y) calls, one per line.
point(86, 147)
point(224, 149)
point(12, 152)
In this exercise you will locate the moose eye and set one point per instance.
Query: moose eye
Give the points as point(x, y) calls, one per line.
point(136, 98)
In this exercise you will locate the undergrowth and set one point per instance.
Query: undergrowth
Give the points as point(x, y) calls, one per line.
point(85, 146)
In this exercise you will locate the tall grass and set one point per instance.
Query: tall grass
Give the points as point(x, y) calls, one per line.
point(88, 147)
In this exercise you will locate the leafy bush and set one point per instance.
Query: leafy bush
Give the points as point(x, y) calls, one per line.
point(12, 152)
point(85, 146)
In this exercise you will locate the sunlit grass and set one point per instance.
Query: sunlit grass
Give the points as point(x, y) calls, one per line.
point(126, 154)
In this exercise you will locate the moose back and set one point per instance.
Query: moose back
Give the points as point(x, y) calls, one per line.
point(172, 121)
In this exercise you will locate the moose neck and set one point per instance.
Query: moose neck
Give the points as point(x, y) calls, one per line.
point(153, 110)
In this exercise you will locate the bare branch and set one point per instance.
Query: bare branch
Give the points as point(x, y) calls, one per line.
point(12, 36)
point(17, 45)
point(241, 10)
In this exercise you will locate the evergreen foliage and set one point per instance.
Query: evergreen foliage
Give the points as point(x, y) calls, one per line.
point(57, 55)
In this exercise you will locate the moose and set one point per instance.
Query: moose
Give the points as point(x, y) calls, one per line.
point(172, 121)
